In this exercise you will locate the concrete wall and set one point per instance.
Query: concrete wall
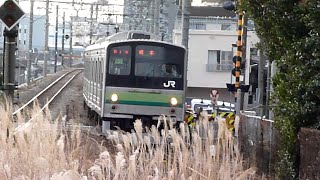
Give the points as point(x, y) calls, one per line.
point(309, 153)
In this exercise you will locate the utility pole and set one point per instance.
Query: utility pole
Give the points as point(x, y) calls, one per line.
point(30, 43)
point(186, 4)
point(70, 49)
point(151, 23)
point(97, 12)
point(46, 47)
point(244, 98)
point(157, 17)
point(63, 36)
point(268, 89)
point(9, 62)
point(91, 23)
point(262, 62)
point(56, 40)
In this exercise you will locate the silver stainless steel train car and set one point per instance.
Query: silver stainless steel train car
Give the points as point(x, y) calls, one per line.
point(131, 79)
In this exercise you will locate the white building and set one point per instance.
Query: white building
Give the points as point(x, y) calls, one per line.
point(212, 33)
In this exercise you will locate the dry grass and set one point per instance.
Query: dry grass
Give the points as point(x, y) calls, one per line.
point(40, 151)
point(45, 151)
point(170, 154)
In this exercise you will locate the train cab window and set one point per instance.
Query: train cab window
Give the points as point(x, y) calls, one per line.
point(120, 60)
point(154, 61)
point(169, 70)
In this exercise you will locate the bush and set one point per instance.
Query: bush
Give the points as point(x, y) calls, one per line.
point(290, 32)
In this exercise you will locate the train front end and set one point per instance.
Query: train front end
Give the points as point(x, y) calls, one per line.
point(144, 80)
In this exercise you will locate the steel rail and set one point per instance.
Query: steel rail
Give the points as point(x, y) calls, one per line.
point(28, 123)
point(44, 90)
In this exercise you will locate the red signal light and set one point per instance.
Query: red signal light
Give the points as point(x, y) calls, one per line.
point(9, 20)
point(10, 6)
point(141, 52)
point(151, 53)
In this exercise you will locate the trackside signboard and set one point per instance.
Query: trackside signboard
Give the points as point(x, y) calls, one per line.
point(11, 13)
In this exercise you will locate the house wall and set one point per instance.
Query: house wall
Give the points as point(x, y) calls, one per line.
point(203, 76)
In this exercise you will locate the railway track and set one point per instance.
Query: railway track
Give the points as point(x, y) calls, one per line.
point(46, 96)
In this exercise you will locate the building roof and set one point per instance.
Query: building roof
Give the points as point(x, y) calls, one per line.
point(205, 11)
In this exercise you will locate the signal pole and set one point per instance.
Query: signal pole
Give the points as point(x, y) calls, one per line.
point(30, 43)
point(9, 62)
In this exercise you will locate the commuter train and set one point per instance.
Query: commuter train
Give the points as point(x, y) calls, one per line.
point(131, 76)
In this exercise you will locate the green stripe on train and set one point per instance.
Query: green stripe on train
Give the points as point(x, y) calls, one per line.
point(144, 99)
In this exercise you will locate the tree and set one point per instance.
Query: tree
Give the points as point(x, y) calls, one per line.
point(291, 33)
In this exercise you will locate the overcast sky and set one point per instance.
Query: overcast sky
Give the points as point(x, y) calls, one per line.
point(39, 7)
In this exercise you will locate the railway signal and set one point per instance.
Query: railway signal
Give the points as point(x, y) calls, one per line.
point(232, 88)
point(11, 13)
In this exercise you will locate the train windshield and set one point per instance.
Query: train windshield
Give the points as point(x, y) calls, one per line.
point(154, 61)
point(120, 60)
point(146, 65)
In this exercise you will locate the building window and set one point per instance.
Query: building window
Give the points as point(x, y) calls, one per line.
point(225, 27)
point(254, 51)
point(25, 30)
point(24, 42)
point(219, 61)
point(198, 26)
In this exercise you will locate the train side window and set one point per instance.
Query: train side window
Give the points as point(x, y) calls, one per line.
point(93, 70)
point(91, 74)
point(96, 70)
point(99, 73)
point(101, 69)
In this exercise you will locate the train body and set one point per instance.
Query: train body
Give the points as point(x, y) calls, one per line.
point(130, 79)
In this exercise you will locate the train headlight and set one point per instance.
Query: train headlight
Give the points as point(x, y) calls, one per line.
point(173, 101)
point(114, 97)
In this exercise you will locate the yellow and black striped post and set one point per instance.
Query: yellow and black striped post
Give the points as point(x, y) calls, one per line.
point(238, 54)
point(230, 119)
